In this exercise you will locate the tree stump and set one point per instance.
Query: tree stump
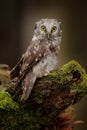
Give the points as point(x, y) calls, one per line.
point(46, 107)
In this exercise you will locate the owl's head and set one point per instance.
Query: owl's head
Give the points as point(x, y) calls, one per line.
point(49, 29)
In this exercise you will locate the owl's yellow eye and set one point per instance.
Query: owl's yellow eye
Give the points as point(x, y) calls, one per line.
point(54, 28)
point(43, 28)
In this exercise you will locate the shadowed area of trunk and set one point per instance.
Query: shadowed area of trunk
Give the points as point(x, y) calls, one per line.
point(46, 106)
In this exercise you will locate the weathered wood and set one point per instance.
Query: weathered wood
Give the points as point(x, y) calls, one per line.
point(49, 99)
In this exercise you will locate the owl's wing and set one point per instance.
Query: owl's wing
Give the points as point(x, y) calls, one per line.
point(15, 71)
point(32, 56)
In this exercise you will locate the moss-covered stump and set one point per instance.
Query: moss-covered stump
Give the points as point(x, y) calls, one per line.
point(46, 106)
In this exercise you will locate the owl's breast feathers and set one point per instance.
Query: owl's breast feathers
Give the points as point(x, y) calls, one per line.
point(35, 52)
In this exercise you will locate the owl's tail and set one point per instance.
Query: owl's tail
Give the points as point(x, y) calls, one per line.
point(27, 85)
point(15, 71)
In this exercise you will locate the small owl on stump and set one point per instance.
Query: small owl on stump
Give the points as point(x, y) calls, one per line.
point(41, 57)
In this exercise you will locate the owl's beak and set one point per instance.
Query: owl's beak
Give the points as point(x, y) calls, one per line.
point(48, 35)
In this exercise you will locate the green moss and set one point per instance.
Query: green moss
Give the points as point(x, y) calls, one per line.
point(6, 102)
point(19, 116)
point(81, 87)
point(21, 119)
point(65, 74)
point(74, 66)
point(23, 116)
point(4, 77)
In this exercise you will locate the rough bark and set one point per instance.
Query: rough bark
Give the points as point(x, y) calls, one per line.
point(46, 107)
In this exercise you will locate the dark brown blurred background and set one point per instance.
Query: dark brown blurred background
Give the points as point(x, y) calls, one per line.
point(17, 18)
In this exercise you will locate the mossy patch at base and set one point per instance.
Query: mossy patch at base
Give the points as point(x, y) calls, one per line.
point(51, 95)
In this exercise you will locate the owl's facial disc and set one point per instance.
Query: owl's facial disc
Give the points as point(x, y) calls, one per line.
point(49, 29)
point(49, 34)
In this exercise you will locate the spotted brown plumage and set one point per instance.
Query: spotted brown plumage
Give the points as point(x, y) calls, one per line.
point(41, 56)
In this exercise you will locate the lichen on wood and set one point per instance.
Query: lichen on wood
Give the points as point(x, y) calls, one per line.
point(46, 106)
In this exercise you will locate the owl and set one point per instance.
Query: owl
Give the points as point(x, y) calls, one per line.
point(41, 56)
